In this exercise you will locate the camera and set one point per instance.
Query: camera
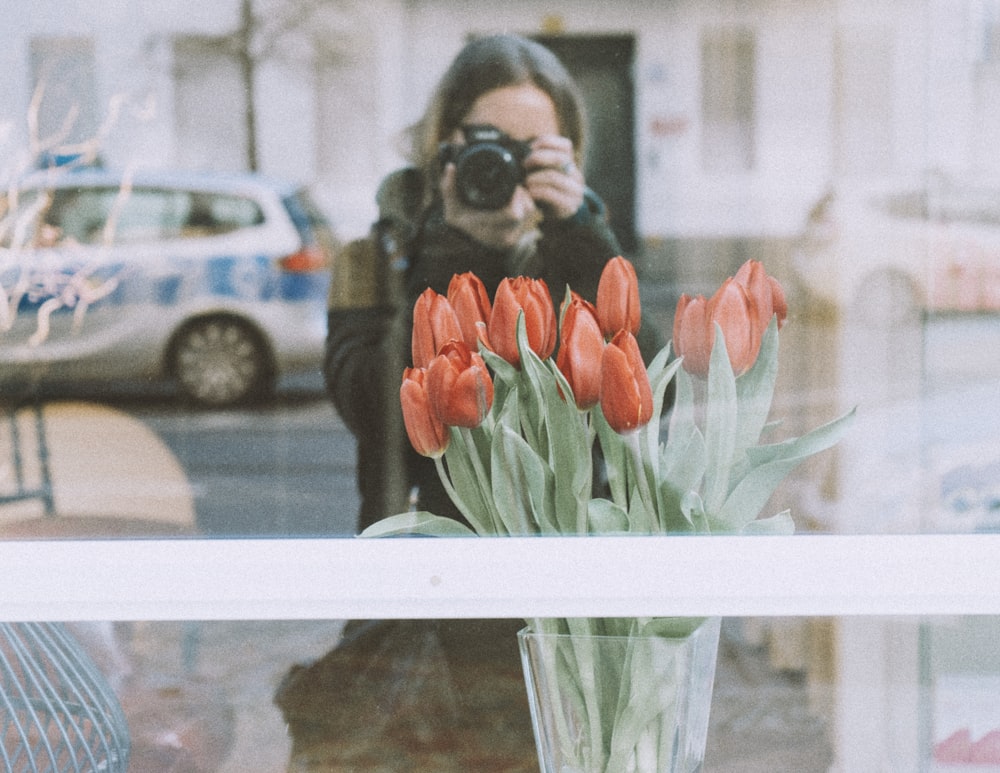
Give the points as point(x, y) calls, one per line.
point(488, 167)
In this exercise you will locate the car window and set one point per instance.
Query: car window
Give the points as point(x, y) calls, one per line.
point(144, 215)
point(215, 213)
point(78, 215)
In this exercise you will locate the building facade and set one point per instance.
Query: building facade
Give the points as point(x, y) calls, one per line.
point(729, 118)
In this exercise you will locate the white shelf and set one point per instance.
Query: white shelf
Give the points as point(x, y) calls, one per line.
point(500, 577)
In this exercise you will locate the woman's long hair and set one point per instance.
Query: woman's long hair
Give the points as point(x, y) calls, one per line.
point(483, 65)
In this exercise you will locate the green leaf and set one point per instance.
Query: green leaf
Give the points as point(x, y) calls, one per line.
point(559, 433)
point(641, 520)
point(684, 468)
point(682, 420)
point(812, 442)
point(693, 509)
point(751, 494)
point(418, 524)
point(615, 454)
point(659, 384)
point(522, 485)
point(671, 627)
point(780, 525)
point(467, 483)
point(755, 389)
point(503, 371)
point(720, 424)
point(606, 517)
point(771, 464)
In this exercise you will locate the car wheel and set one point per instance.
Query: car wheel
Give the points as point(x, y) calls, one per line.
point(220, 361)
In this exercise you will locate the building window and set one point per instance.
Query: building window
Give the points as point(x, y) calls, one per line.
point(63, 76)
point(728, 95)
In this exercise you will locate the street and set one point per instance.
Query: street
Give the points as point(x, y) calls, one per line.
point(284, 468)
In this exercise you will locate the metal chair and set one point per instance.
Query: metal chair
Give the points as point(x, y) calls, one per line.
point(57, 712)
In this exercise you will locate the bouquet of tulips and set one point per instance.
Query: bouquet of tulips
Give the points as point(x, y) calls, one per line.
point(513, 431)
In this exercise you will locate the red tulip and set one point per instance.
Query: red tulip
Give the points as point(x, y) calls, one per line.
point(743, 307)
point(428, 434)
point(468, 297)
point(626, 395)
point(618, 306)
point(459, 386)
point(580, 349)
point(736, 312)
point(693, 335)
point(766, 291)
point(434, 324)
point(532, 297)
point(779, 303)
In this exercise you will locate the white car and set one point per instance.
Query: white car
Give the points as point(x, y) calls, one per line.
point(218, 282)
point(935, 246)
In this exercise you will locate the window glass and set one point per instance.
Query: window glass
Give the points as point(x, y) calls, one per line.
point(850, 146)
point(799, 694)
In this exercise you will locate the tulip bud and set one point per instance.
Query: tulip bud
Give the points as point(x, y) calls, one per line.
point(766, 291)
point(532, 297)
point(693, 334)
point(618, 306)
point(468, 297)
point(459, 386)
point(779, 304)
point(737, 314)
point(580, 350)
point(626, 395)
point(428, 434)
point(434, 324)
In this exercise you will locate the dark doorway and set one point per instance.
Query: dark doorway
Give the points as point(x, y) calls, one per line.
point(602, 67)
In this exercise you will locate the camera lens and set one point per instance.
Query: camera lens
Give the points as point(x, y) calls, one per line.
point(486, 175)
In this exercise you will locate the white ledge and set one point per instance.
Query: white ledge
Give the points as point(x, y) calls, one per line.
point(502, 577)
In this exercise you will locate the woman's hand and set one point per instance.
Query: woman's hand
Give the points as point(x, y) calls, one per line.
point(553, 187)
point(554, 181)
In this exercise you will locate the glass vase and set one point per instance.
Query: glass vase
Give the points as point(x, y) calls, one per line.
point(633, 703)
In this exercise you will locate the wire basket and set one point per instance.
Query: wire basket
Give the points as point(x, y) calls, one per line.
point(57, 712)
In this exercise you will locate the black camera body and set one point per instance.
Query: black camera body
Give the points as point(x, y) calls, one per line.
point(488, 167)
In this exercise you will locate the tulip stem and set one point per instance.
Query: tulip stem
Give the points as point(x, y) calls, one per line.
point(471, 516)
point(635, 444)
point(484, 479)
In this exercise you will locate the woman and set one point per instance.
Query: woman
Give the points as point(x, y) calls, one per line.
point(551, 227)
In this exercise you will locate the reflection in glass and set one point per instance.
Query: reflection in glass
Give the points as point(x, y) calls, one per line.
point(798, 694)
